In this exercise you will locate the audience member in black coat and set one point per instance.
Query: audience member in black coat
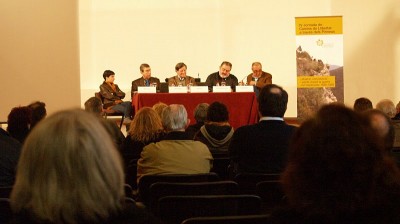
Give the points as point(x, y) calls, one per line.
point(19, 122)
point(263, 147)
point(10, 151)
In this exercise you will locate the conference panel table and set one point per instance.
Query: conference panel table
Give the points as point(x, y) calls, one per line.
point(242, 107)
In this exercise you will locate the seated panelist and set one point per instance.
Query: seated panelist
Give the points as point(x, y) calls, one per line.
point(223, 77)
point(145, 80)
point(181, 79)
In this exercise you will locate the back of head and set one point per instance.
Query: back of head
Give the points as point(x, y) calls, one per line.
point(387, 107)
point(383, 126)
point(217, 112)
point(146, 125)
point(337, 164)
point(272, 101)
point(107, 73)
point(38, 112)
point(69, 165)
point(362, 104)
point(18, 122)
point(200, 112)
point(94, 105)
point(159, 107)
point(174, 118)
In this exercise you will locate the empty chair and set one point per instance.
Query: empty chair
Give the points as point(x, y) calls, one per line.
point(147, 180)
point(239, 219)
point(271, 194)
point(175, 209)
point(5, 210)
point(162, 189)
point(248, 181)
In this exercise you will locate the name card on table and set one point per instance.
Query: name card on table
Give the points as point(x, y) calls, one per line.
point(243, 89)
point(147, 89)
point(199, 89)
point(221, 89)
point(177, 89)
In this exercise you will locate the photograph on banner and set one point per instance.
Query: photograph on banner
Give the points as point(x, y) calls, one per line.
point(319, 58)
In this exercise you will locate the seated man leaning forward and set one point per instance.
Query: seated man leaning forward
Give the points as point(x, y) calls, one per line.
point(263, 147)
point(223, 77)
point(176, 153)
point(145, 80)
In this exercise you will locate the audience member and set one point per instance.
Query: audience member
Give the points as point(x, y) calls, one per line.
point(176, 153)
point(112, 96)
point(362, 104)
point(146, 128)
point(382, 124)
point(94, 105)
point(70, 172)
point(38, 112)
point(258, 78)
point(159, 107)
point(337, 173)
point(216, 133)
point(222, 77)
point(181, 79)
point(19, 123)
point(145, 80)
point(397, 117)
point(387, 107)
point(263, 147)
point(200, 115)
point(10, 151)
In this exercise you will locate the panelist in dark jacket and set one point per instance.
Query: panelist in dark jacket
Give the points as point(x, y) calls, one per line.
point(263, 147)
point(222, 77)
point(145, 80)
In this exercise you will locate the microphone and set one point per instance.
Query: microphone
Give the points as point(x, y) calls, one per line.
point(166, 79)
point(242, 80)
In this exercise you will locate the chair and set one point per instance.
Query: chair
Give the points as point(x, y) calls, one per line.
point(271, 194)
point(162, 189)
point(5, 191)
point(147, 180)
point(220, 166)
point(108, 112)
point(131, 173)
point(175, 209)
point(240, 219)
point(248, 181)
point(5, 210)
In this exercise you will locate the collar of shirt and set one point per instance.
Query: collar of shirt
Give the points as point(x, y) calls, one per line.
point(271, 119)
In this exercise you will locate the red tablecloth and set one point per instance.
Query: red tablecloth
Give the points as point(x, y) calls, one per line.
point(242, 107)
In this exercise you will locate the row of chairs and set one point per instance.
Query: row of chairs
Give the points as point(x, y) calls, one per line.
point(174, 198)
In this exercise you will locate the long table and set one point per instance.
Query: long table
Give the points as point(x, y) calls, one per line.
point(242, 107)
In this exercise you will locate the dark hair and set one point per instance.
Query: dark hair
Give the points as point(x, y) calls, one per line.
point(142, 66)
point(336, 164)
point(226, 63)
point(179, 66)
point(217, 112)
point(107, 73)
point(38, 110)
point(18, 123)
point(94, 105)
point(362, 104)
point(272, 101)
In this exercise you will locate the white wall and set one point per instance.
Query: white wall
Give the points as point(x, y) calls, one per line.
point(122, 35)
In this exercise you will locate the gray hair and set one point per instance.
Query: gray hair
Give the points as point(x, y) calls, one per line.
point(174, 117)
point(200, 112)
point(387, 107)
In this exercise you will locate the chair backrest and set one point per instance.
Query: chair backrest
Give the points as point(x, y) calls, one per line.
point(162, 189)
point(5, 210)
point(175, 209)
point(147, 180)
point(248, 181)
point(271, 193)
point(220, 166)
point(240, 219)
